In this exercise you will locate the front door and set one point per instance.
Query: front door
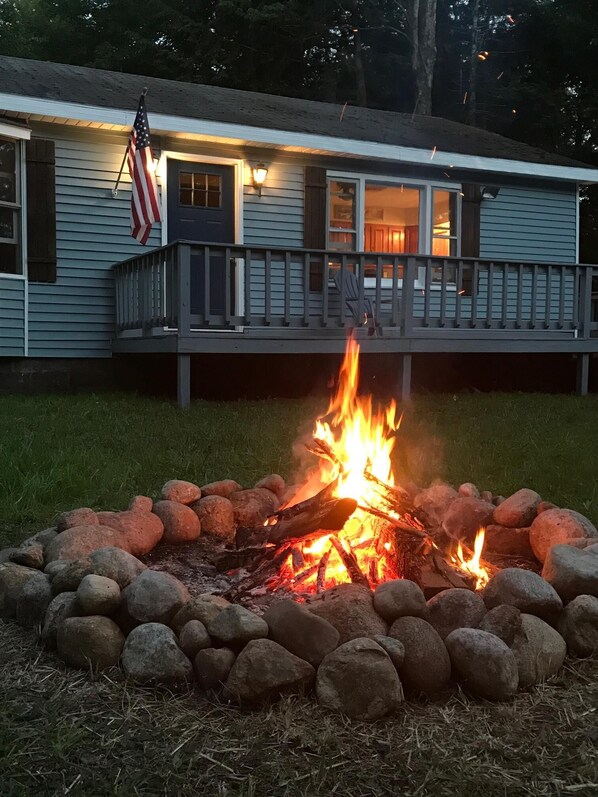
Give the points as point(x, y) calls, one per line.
point(201, 207)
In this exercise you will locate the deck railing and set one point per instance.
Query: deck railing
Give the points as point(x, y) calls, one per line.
point(270, 287)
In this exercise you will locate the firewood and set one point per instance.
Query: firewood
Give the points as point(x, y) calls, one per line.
point(308, 505)
point(321, 449)
point(321, 577)
point(350, 562)
point(266, 569)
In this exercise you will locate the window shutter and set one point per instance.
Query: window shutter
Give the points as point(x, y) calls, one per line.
point(470, 221)
point(314, 214)
point(41, 210)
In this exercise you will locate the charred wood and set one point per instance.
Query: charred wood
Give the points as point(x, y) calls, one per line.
point(350, 562)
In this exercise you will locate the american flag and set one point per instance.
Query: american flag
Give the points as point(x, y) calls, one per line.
point(145, 209)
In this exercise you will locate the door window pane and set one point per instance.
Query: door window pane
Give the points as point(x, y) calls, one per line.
point(200, 190)
point(392, 216)
point(7, 224)
point(8, 183)
point(444, 225)
point(342, 221)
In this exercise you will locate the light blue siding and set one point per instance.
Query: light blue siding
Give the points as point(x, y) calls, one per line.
point(12, 317)
point(275, 218)
point(530, 224)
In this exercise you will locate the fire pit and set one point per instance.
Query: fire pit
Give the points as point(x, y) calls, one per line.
point(366, 588)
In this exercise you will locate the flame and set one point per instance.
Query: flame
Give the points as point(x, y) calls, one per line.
point(473, 565)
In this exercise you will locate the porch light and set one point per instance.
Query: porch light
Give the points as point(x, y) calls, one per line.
point(490, 191)
point(259, 172)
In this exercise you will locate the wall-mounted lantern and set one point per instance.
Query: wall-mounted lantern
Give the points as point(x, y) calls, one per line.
point(490, 191)
point(259, 172)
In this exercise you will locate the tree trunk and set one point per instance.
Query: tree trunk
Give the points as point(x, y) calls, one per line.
point(421, 20)
point(360, 84)
point(473, 68)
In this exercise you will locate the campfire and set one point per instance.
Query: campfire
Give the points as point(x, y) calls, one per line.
point(350, 520)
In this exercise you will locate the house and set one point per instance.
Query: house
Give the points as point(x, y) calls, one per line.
point(284, 222)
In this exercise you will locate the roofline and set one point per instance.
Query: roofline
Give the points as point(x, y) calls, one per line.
point(291, 140)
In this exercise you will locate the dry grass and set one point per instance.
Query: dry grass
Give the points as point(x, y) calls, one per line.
point(66, 732)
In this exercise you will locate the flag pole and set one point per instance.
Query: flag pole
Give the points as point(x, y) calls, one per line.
point(122, 165)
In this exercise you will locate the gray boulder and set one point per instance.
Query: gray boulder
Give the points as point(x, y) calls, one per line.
point(426, 667)
point(151, 655)
point(33, 600)
point(29, 555)
point(13, 578)
point(556, 526)
point(236, 625)
point(502, 621)
point(572, 571)
point(181, 524)
point(300, 631)
point(216, 516)
point(359, 680)
point(204, 607)
point(68, 577)
point(193, 638)
point(212, 667)
point(84, 516)
point(518, 510)
point(466, 516)
point(60, 608)
point(399, 598)
point(98, 595)
point(180, 491)
point(6, 553)
point(483, 663)
point(79, 541)
point(578, 625)
point(394, 648)
point(526, 590)
point(52, 568)
point(44, 537)
point(154, 597)
point(264, 669)
point(434, 502)
point(455, 608)
point(350, 609)
point(539, 650)
point(85, 641)
point(116, 564)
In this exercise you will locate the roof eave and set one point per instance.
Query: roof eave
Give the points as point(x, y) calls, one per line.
point(294, 141)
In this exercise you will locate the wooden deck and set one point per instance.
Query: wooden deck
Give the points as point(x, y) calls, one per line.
point(275, 300)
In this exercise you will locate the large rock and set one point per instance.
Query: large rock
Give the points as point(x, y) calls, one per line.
point(300, 631)
point(578, 625)
point(33, 601)
point(508, 541)
point(13, 578)
point(539, 650)
point(223, 488)
point(60, 608)
point(434, 502)
point(466, 516)
point(469, 490)
point(572, 571)
point(427, 667)
point(556, 526)
point(216, 516)
point(84, 516)
point(455, 608)
point(204, 607)
point(43, 537)
point(518, 510)
point(85, 641)
point(116, 564)
point(394, 648)
point(399, 598)
point(6, 553)
point(180, 491)
point(181, 524)
point(79, 541)
point(359, 680)
point(264, 669)
point(29, 555)
point(68, 578)
point(502, 621)
point(140, 503)
point(193, 638)
point(526, 590)
point(151, 655)
point(53, 568)
point(212, 667)
point(98, 595)
point(140, 531)
point(252, 507)
point(236, 625)
point(350, 609)
point(483, 663)
point(154, 597)
point(274, 483)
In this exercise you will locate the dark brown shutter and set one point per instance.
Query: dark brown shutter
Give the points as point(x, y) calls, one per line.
point(41, 210)
point(314, 221)
point(470, 221)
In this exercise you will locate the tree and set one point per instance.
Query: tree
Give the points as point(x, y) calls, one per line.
point(421, 29)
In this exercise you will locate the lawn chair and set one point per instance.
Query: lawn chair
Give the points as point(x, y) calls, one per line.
point(347, 278)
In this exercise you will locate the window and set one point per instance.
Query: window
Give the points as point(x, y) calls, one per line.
point(10, 208)
point(444, 231)
point(200, 190)
point(391, 218)
point(342, 215)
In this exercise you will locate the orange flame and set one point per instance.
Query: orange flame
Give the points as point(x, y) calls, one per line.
point(473, 565)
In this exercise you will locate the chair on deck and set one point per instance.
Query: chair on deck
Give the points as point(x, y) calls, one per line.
point(347, 283)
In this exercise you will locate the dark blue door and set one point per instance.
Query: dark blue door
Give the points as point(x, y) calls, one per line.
point(201, 207)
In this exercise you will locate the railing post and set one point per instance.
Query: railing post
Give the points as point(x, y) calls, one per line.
point(184, 289)
point(585, 302)
point(409, 275)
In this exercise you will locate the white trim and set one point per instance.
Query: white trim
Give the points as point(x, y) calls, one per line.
point(292, 140)
point(15, 131)
point(23, 247)
point(577, 209)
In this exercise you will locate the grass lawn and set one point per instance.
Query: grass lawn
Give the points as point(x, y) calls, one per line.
point(64, 732)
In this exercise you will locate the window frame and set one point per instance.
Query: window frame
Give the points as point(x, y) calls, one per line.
point(426, 211)
point(18, 207)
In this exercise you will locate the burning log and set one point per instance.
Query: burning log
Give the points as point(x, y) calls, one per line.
point(321, 577)
point(350, 562)
point(286, 513)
